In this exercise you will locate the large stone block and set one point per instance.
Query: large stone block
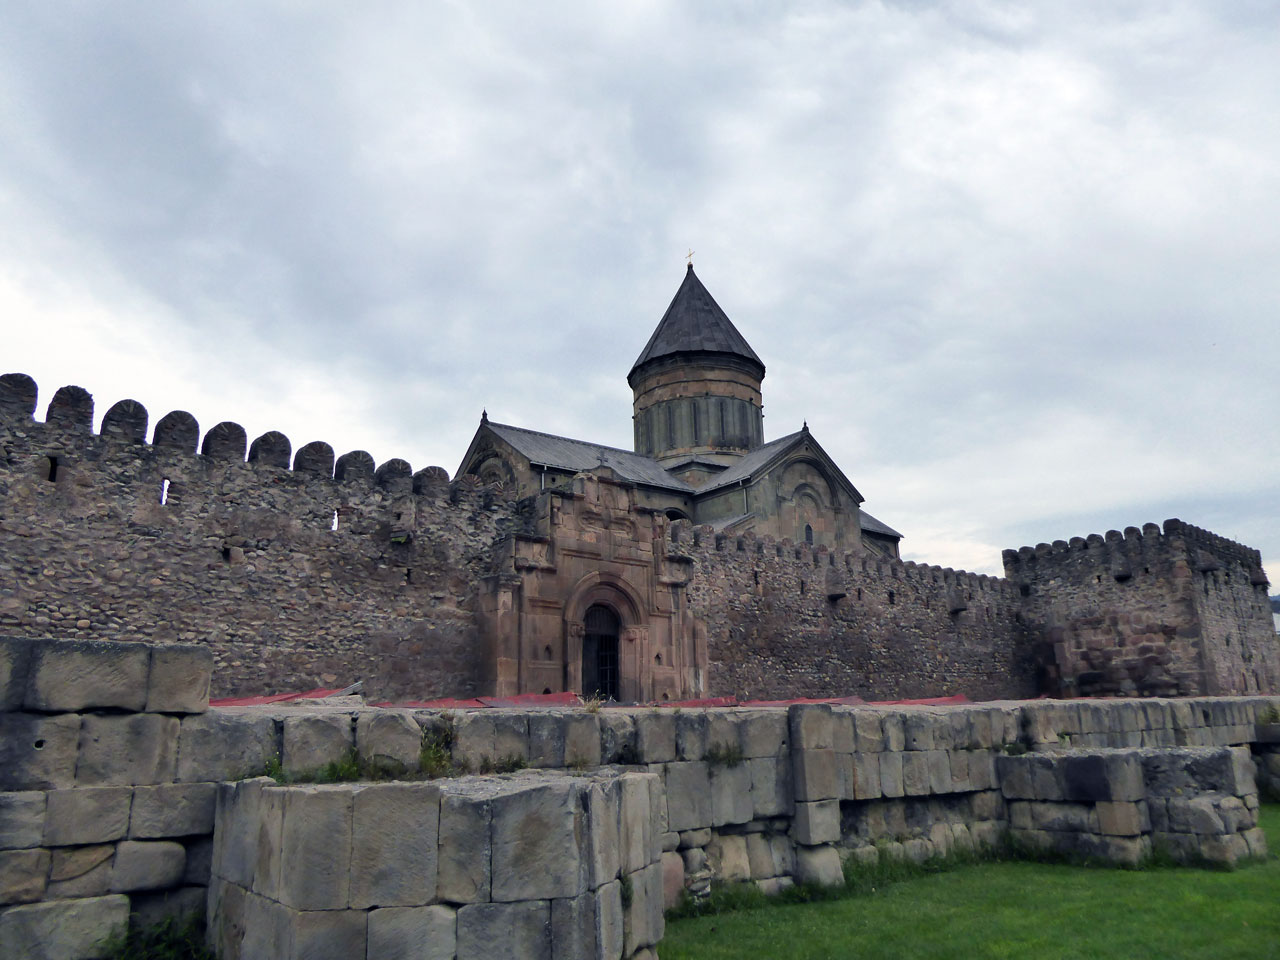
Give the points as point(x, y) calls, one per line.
point(730, 794)
point(655, 736)
point(1094, 777)
point(309, 743)
point(81, 871)
point(138, 748)
point(842, 731)
point(510, 737)
point(688, 795)
point(175, 906)
point(394, 844)
point(15, 663)
point(939, 771)
point(87, 815)
point(727, 857)
point(763, 733)
point(463, 863)
point(179, 678)
point(609, 920)
point(172, 810)
point(819, 866)
point(329, 934)
point(61, 929)
point(573, 927)
point(770, 786)
point(535, 830)
point(147, 865)
point(816, 823)
point(1122, 819)
point(226, 745)
point(473, 739)
point(38, 752)
point(814, 774)
point(891, 784)
point(21, 819)
point(24, 874)
point(866, 776)
point(919, 729)
point(759, 856)
point(635, 823)
point(915, 773)
point(582, 740)
point(617, 737)
point(644, 921)
point(315, 848)
point(546, 739)
point(810, 727)
point(519, 931)
point(604, 856)
point(673, 878)
point(413, 933)
point(235, 841)
point(692, 728)
point(389, 739)
point(869, 733)
point(69, 675)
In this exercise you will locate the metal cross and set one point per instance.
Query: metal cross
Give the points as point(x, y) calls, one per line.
point(689, 257)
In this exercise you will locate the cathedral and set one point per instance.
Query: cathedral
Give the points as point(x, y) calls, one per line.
point(699, 451)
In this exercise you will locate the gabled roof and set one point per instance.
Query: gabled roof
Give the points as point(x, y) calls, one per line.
point(694, 323)
point(871, 525)
point(762, 458)
point(563, 453)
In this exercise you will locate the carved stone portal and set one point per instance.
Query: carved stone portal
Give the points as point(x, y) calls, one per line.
point(590, 601)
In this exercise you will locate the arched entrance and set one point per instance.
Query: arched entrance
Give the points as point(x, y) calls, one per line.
point(600, 666)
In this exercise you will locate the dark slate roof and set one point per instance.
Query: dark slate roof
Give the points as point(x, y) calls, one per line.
point(578, 455)
point(871, 525)
point(753, 461)
point(694, 323)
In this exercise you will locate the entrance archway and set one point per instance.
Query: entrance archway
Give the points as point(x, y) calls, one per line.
point(600, 661)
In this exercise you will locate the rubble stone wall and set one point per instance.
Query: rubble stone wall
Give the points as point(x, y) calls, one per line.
point(786, 619)
point(1148, 612)
point(296, 570)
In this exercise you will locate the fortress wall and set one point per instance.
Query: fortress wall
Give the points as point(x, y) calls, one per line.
point(1181, 611)
point(786, 620)
point(108, 536)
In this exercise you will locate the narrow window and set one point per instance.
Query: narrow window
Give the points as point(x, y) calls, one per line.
point(802, 588)
point(546, 652)
point(657, 658)
point(53, 470)
point(808, 534)
point(164, 491)
point(671, 425)
point(697, 427)
point(334, 525)
point(724, 430)
point(891, 598)
point(408, 575)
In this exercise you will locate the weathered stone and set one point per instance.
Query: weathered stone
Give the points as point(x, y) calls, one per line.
point(842, 731)
point(810, 727)
point(573, 927)
point(763, 733)
point(695, 838)
point(23, 875)
point(819, 866)
point(235, 850)
point(939, 771)
point(644, 922)
point(866, 776)
point(816, 823)
point(609, 920)
point(172, 810)
point(389, 739)
point(147, 865)
point(394, 843)
point(224, 745)
point(1074, 817)
point(535, 853)
point(311, 742)
point(635, 823)
point(61, 929)
point(177, 906)
point(655, 736)
point(730, 794)
point(520, 931)
point(582, 740)
point(38, 752)
point(770, 786)
point(21, 819)
point(316, 847)
point(670, 841)
point(891, 784)
point(617, 737)
point(727, 856)
point(199, 861)
point(1194, 815)
point(179, 679)
point(688, 795)
point(814, 773)
point(87, 815)
point(139, 748)
point(919, 731)
point(868, 731)
point(473, 739)
point(604, 856)
point(70, 675)
point(464, 853)
point(413, 933)
point(329, 934)
point(915, 773)
point(691, 734)
point(1121, 819)
point(81, 871)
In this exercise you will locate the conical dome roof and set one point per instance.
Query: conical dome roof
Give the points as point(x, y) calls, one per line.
point(695, 324)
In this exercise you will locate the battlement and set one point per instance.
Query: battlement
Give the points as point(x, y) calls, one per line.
point(686, 539)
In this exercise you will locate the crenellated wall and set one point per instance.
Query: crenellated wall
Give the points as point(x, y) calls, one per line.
point(298, 572)
point(788, 620)
point(1152, 612)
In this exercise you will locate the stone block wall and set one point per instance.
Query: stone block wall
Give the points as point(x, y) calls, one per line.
point(786, 620)
point(535, 865)
point(1194, 804)
point(102, 814)
point(1148, 612)
point(297, 570)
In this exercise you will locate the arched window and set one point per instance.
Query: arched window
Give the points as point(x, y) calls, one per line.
point(808, 534)
point(600, 653)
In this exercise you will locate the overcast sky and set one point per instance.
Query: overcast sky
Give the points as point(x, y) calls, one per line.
point(1018, 264)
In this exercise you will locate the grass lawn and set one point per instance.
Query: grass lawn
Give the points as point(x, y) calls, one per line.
point(1005, 910)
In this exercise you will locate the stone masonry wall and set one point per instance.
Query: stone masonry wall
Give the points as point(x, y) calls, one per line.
point(786, 620)
point(1181, 611)
point(106, 536)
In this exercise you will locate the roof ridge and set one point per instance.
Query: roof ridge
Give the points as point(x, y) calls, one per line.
point(557, 436)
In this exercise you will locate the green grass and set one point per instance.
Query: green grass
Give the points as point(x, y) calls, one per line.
point(999, 910)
